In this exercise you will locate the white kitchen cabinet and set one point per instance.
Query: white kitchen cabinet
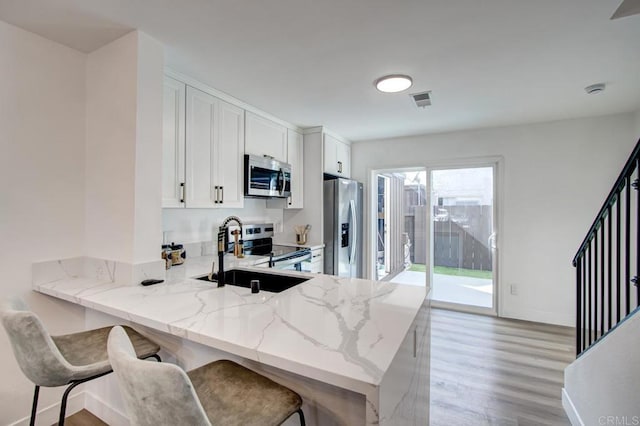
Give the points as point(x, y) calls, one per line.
point(295, 157)
point(214, 152)
point(230, 158)
point(265, 137)
point(173, 143)
point(337, 157)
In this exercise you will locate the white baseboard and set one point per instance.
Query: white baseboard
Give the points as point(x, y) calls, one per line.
point(49, 415)
point(104, 411)
point(535, 315)
point(570, 409)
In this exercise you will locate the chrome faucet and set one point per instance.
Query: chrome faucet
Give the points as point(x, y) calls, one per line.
point(222, 231)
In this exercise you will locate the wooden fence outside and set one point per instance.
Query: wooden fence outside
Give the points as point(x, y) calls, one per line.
point(460, 239)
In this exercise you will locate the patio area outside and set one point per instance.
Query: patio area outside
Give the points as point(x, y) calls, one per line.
point(460, 286)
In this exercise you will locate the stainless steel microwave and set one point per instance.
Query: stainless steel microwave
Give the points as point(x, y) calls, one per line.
point(266, 177)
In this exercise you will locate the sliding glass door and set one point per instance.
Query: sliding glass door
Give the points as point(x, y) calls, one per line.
point(463, 237)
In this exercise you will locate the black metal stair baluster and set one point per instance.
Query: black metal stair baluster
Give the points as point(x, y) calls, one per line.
point(618, 208)
point(583, 259)
point(579, 346)
point(589, 316)
point(627, 231)
point(636, 184)
point(602, 328)
point(609, 256)
point(594, 320)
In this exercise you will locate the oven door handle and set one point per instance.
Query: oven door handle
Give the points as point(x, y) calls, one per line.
point(279, 264)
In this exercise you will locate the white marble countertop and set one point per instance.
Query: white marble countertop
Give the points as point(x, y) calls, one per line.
point(340, 331)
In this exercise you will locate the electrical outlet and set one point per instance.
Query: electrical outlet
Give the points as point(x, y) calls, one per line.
point(514, 290)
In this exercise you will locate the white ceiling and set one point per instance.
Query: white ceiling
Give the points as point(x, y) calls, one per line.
point(313, 62)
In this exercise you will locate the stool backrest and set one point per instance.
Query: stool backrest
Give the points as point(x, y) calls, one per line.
point(154, 393)
point(36, 353)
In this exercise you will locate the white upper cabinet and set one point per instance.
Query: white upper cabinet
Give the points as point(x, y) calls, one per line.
point(295, 157)
point(214, 151)
point(230, 164)
point(337, 157)
point(173, 143)
point(265, 137)
point(201, 189)
point(344, 159)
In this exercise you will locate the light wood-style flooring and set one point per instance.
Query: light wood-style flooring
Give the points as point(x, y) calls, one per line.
point(83, 418)
point(494, 371)
point(485, 371)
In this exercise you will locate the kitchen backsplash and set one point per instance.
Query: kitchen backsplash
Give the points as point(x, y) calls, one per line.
point(186, 226)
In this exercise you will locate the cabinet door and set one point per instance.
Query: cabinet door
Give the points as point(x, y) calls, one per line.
point(343, 153)
point(265, 137)
point(173, 143)
point(295, 157)
point(200, 149)
point(230, 155)
point(331, 155)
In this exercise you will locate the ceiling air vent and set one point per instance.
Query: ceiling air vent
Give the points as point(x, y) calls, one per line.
point(422, 99)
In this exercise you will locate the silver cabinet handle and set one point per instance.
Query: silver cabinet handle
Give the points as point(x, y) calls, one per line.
point(215, 195)
point(339, 166)
point(221, 194)
point(183, 192)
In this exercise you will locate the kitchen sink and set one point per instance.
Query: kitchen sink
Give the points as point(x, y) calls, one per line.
point(273, 283)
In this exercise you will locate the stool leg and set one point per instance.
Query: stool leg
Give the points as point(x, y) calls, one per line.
point(34, 406)
point(302, 423)
point(63, 404)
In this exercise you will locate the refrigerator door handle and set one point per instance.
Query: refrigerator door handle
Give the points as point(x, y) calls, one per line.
point(354, 235)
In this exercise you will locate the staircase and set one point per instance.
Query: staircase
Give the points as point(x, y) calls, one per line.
point(602, 386)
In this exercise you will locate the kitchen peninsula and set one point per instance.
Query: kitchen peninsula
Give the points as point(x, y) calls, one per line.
point(356, 350)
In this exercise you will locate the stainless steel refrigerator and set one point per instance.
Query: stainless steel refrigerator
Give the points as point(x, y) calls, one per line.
point(343, 241)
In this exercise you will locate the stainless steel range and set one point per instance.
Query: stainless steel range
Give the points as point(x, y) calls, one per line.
point(258, 241)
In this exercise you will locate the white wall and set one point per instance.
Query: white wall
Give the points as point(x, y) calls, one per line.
point(556, 177)
point(110, 161)
point(148, 155)
point(637, 124)
point(42, 134)
point(124, 149)
point(601, 387)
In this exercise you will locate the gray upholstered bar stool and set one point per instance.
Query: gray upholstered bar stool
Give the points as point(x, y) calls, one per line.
point(70, 359)
point(219, 393)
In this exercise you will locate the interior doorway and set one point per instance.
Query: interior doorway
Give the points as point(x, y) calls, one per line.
point(463, 236)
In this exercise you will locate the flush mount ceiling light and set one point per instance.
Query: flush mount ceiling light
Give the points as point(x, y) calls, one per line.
point(393, 83)
point(595, 88)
